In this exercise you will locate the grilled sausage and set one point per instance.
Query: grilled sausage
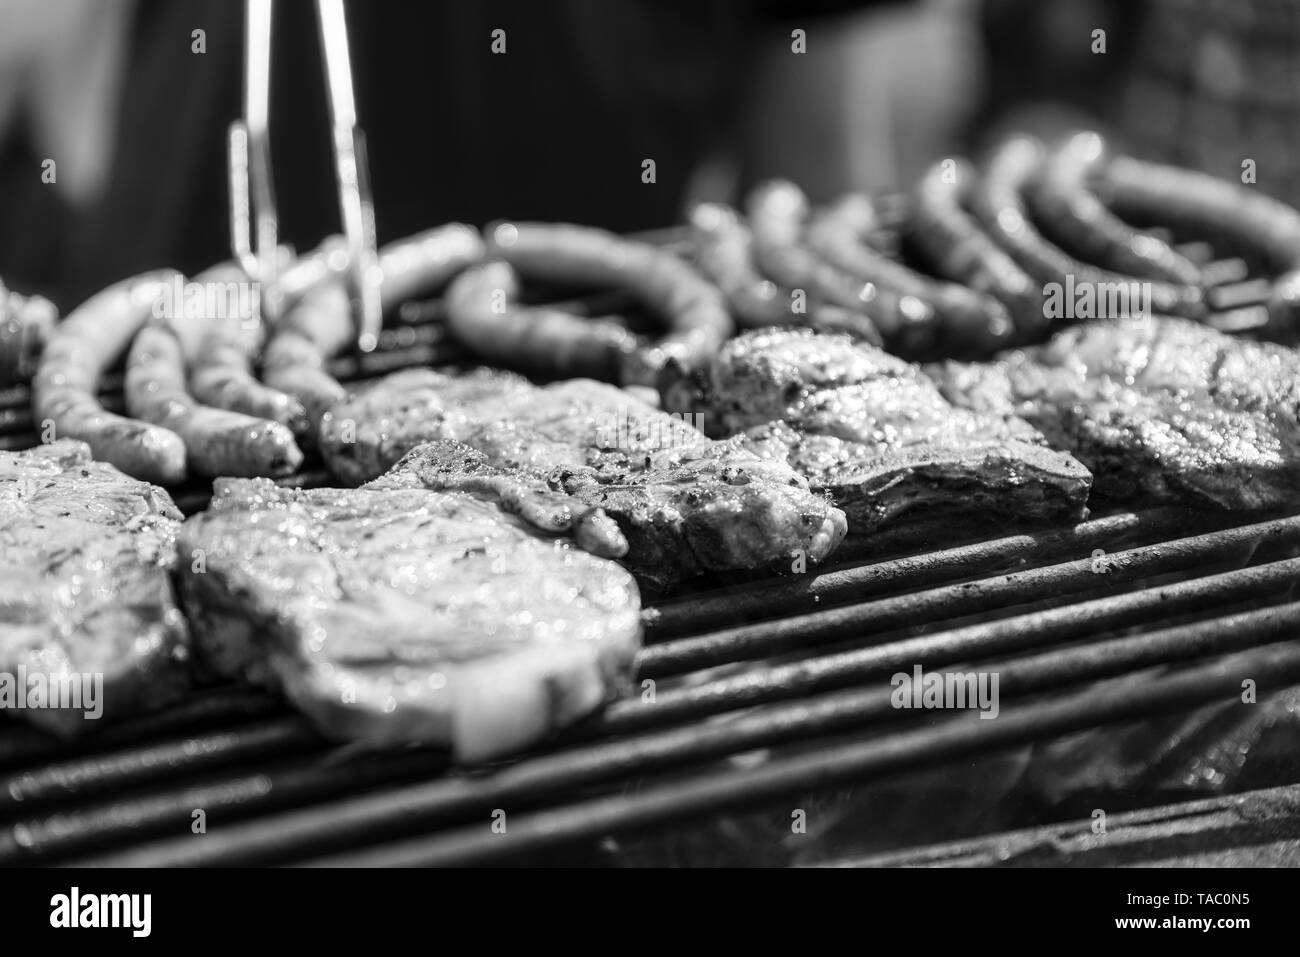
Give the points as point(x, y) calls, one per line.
point(1068, 206)
point(317, 323)
point(998, 201)
point(1205, 203)
point(1257, 224)
point(313, 330)
point(724, 253)
point(82, 347)
point(426, 261)
point(777, 212)
point(691, 308)
point(217, 441)
point(220, 351)
point(961, 317)
point(483, 313)
point(960, 249)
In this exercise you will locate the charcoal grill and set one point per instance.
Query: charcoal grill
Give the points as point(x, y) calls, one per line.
point(764, 691)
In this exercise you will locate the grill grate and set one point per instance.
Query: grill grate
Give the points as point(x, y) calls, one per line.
point(762, 690)
point(1257, 829)
point(834, 763)
point(274, 793)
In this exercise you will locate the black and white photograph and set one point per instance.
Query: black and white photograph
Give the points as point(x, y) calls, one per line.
point(651, 434)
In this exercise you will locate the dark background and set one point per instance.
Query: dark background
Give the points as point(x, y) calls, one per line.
point(558, 127)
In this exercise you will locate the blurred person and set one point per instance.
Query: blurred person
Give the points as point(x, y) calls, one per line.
point(899, 83)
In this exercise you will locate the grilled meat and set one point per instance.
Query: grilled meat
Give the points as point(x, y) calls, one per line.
point(875, 433)
point(401, 615)
point(364, 436)
point(685, 503)
point(85, 559)
point(453, 466)
point(1160, 409)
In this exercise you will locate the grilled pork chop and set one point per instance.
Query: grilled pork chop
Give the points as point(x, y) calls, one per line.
point(1160, 409)
point(684, 503)
point(85, 559)
point(875, 433)
point(402, 615)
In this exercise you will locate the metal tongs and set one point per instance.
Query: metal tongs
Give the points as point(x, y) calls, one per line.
point(252, 190)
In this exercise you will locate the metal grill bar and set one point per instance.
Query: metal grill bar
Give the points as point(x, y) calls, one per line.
point(1038, 629)
point(245, 794)
point(1268, 818)
point(853, 762)
point(97, 772)
point(79, 778)
point(773, 599)
point(24, 743)
point(950, 601)
point(284, 784)
point(527, 781)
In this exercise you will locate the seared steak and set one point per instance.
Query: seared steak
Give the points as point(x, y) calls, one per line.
point(401, 615)
point(875, 433)
point(364, 436)
point(685, 503)
point(1160, 409)
point(85, 589)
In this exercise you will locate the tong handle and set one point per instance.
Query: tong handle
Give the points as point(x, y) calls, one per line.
point(254, 222)
point(352, 171)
